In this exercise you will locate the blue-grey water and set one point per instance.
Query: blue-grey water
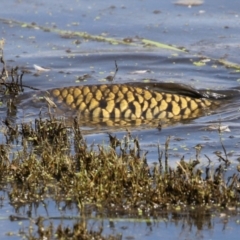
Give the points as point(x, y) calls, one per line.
point(209, 32)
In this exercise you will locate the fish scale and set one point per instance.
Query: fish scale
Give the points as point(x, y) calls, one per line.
point(115, 101)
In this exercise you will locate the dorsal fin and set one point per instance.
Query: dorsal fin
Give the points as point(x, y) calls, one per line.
point(177, 88)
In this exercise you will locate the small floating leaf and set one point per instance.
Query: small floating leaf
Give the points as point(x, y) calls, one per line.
point(220, 128)
point(41, 69)
point(189, 3)
point(25, 25)
point(140, 72)
point(199, 64)
point(146, 80)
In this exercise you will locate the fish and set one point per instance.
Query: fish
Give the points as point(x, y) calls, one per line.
point(136, 102)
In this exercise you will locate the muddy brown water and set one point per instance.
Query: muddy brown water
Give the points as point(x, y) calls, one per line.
point(44, 34)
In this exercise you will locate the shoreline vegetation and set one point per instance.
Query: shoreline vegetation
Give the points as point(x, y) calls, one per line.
point(48, 159)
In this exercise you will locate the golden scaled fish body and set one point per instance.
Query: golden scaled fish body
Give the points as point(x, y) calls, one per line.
point(133, 102)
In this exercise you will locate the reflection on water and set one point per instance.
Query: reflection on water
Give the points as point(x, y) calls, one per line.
point(193, 223)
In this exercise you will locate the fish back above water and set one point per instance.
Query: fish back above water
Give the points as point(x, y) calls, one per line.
point(138, 101)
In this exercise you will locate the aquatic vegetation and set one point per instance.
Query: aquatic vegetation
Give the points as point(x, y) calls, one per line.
point(55, 162)
point(87, 36)
point(116, 174)
point(50, 159)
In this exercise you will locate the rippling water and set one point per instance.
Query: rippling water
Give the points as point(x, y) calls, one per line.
point(210, 32)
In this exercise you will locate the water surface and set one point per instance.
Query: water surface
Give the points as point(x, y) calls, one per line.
point(209, 32)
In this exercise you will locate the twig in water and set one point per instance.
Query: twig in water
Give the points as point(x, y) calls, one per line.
point(160, 154)
point(226, 160)
point(166, 153)
point(111, 78)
